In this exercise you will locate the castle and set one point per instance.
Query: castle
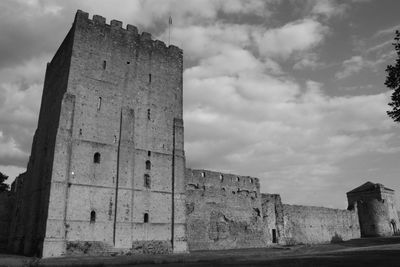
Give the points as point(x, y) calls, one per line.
point(107, 168)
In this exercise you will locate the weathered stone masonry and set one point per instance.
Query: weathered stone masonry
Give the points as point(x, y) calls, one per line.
point(107, 162)
point(226, 211)
point(223, 211)
point(376, 208)
point(107, 167)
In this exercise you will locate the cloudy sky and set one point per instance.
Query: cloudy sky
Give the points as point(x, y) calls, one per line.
point(288, 91)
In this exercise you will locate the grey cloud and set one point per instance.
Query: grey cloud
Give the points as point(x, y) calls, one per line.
point(29, 31)
point(14, 160)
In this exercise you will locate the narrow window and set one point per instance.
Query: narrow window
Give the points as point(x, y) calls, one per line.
point(149, 77)
point(147, 180)
point(128, 62)
point(148, 165)
point(92, 216)
point(237, 178)
point(99, 103)
point(148, 114)
point(96, 157)
point(203, 174)
point(146, 218)
point(148, 153)
point(251, 180)
point(115, 139)
point(104, 64)
point(80, 131)
point(274, 239)
point(221, 177)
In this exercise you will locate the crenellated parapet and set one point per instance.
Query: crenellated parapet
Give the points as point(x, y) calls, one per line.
point(230, 183)
point(129, 33)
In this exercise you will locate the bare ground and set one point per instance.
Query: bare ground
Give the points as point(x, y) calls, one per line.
point(358, 252)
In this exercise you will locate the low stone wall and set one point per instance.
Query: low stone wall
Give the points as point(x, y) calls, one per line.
point(311, 225)
point(96, 248)
point(6, 202)
point(223, 211)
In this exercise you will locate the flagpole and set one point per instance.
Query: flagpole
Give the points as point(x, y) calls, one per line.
point(169, 29)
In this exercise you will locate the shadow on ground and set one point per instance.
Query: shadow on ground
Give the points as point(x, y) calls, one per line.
point(359, 252)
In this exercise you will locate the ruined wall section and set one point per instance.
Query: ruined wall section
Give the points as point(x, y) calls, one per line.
point(272, 210)
point(311, 225)
point(223, 211)
point(124, 102)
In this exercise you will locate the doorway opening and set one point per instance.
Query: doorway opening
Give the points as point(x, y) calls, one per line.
point(274, 240)
point(394, 227)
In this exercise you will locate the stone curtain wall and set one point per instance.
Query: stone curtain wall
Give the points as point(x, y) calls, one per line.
point(311, 225)
point(6, 202)
point(223, 211)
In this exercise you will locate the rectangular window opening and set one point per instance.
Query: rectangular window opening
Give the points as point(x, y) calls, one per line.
point(99, 103)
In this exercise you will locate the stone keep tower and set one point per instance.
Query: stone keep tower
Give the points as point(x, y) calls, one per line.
point(376, 207)
point(107, 162)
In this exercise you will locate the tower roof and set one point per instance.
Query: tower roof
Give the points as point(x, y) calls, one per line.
point(368, 186)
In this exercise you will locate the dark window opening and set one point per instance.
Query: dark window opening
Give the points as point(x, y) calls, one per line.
point(96, 157)
point(99, 103)
point(257, 212)
point(274, 239)
point(92, 216)
point(148, 153)
point(80, 131)
point(148, 114)
point(147, 181)
point(149, 77)
point(104, 64)
point(128, 62)
point(146, 218)
point(148, 165)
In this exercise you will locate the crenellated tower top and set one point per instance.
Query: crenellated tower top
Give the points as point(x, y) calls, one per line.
point(130, 32)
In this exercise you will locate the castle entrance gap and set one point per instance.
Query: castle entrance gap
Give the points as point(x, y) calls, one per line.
point(394, 227)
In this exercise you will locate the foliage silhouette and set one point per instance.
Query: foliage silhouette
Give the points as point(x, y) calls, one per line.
point(393, 81)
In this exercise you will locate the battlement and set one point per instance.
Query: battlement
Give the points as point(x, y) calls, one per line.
point(130, 31)
point(206, 178)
